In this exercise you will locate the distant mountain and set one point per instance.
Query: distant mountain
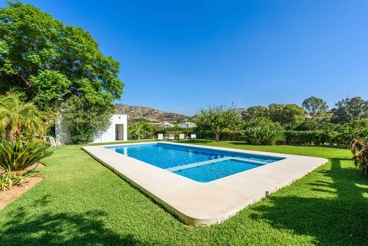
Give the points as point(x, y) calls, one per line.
point(154, 115)
point(148, 113)
point(240, 110)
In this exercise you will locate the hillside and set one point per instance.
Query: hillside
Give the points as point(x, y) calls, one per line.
point(148, 113)
point(240, 110)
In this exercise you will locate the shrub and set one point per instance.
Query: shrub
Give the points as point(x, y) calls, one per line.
point(17, 156)
point(139, 130)
point(81, 133)
point(8, 179)
point(306, 137)
point(360, 154)
point(262, 131)
point(41, 141)
point(333, 134)
point(307, 125)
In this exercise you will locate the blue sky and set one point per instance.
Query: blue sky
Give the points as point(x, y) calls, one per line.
point(180, 56)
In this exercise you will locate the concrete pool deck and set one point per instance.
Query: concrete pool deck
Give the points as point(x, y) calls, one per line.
point(209, 203)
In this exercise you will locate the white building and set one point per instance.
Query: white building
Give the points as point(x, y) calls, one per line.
point(117, 131)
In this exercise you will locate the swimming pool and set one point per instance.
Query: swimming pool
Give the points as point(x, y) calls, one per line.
point(206, 203)
point(199, 164)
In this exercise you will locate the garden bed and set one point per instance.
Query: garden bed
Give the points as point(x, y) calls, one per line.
point(8, 196)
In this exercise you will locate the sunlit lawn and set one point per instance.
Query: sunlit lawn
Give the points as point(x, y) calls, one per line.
point(80, 202)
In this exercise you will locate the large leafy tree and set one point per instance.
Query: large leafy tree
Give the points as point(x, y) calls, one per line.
point(358, 108)
point(216, 119)
point(234, 122)
point(341, 114)
point(255, 112)
point(349, 109)
point(315, 107)
point(16, 116)
point(83, 123)
point(51, 62)
point(286, 113)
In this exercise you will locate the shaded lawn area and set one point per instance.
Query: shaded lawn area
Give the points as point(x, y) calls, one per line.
point(82, 202)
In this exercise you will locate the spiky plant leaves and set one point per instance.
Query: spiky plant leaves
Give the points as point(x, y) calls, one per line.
point(9, 178)
point(17, 156)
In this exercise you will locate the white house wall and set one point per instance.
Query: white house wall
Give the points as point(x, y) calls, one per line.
point(63, 136)
point(110, 134)
point(62, 133)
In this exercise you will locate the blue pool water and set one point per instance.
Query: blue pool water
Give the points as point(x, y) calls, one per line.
point(216, 170)
point(199, 164)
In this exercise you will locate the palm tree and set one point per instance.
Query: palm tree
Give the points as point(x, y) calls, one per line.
point(139, 129)
point(16, 115)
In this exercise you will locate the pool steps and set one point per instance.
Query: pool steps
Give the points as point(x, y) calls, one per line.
point(202, 163)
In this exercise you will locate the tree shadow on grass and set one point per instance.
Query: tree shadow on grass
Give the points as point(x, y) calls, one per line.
point(62, 229)
point(337, 214)
point(238, 142)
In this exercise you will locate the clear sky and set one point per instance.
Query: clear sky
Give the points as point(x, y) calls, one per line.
point(180, 56)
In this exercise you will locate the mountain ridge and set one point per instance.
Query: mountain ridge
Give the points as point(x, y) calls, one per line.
point(136, 113)
point(153, 115)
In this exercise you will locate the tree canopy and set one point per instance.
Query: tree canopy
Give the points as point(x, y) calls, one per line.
point(286, 113)
point(82, 122)
point(254, 112)
point(51, 62)
point(315, 107)
point(349, 109)
point(216, 119)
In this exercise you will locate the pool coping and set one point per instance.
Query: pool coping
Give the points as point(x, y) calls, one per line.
point(196, 203)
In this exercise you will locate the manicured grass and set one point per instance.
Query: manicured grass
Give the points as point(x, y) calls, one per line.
point(80, 202)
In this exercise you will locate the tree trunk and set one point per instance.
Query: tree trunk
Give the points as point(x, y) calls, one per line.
point(217, 135)
point(8, 133)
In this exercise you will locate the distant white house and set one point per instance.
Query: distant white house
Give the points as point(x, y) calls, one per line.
point(117, 131)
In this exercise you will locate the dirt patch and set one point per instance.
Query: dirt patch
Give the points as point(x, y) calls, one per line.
point(9, 196)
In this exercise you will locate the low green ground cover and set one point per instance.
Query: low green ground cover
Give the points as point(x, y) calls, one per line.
point(82, 202)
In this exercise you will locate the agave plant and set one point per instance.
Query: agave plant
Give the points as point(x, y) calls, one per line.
point(17, 156)
point(360, 154)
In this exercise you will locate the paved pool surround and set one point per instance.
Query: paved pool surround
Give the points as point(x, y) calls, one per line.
point(196, 203)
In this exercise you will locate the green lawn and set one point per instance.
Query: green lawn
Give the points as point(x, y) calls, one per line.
point(80, 202)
